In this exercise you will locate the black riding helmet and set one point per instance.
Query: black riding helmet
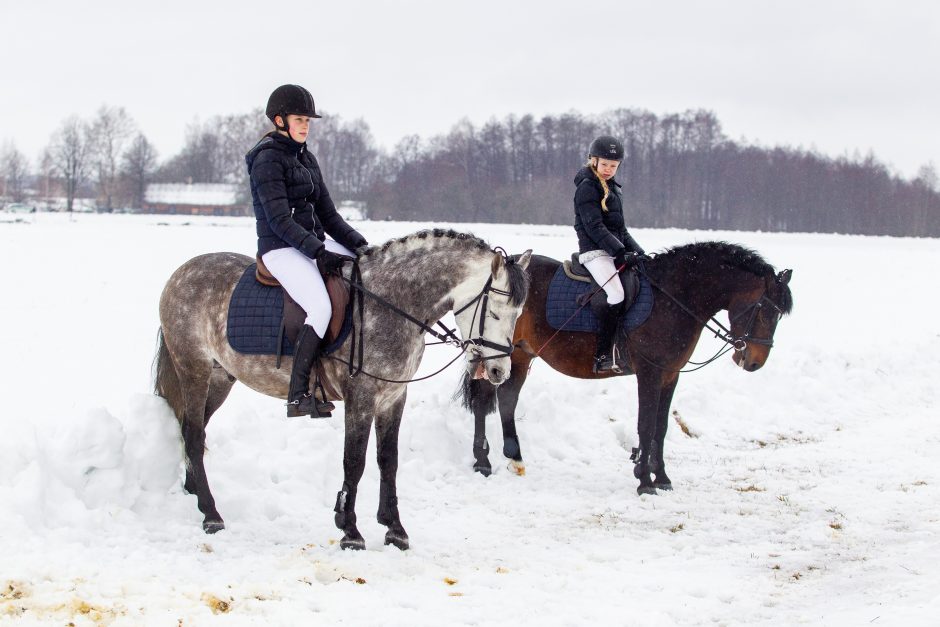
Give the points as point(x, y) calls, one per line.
point(290, 100)
point(607, 147)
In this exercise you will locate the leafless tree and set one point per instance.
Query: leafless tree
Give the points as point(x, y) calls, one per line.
point(68, 155)
point(138, 164)
point(110, 132)
point(13, 171)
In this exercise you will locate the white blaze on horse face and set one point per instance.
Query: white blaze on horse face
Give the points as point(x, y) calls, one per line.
point(499, 321)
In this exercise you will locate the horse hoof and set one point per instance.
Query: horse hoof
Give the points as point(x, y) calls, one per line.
point(484, 469)
point(667, 486)
point(646, 489)
point(356, 544)
point(400, 541)
point(516, 467)
point(213, 526)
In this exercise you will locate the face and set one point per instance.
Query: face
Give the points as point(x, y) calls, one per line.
point(298, 127)
point(499, 321)
point(606, 168)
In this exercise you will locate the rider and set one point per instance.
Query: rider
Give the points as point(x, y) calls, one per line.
point(603, 240)
point(293, 215)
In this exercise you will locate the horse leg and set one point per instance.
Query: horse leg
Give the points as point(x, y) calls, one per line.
point(220, 384)
point(508, 397)
point(386, 433)
point(194, 384)
point(657, 464)
point(481, 399)
point(358, 426)
point(649, 386)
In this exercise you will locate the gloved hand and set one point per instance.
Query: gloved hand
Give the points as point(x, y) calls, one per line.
point(329, 262)
point(361, 250)
point(356, 241)
point(620, 259)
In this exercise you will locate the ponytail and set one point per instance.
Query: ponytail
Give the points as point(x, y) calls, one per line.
point(592, 163)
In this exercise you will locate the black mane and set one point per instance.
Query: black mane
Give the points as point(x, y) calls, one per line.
point(731, 255)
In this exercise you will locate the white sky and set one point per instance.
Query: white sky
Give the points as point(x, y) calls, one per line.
point(839, 76)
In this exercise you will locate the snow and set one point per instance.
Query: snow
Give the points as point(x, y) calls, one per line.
point(809, 494)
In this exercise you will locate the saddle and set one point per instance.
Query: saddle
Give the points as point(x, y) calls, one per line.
point(294, 315)
point(630, 281)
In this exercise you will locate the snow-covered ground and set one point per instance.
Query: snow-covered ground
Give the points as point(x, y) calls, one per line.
point(809, 494)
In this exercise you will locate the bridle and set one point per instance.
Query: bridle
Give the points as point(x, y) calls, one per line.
point(445, 336)
point(737, 343)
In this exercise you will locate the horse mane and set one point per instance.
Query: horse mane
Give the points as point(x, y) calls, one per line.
point(518, 278)
point(733, 255)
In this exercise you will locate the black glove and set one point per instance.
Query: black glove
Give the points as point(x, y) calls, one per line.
point(329, 262)
point(620, 259)
point(357, 241)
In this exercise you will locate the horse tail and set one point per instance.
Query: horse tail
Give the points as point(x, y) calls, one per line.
point(476, 395)
point(166, 382)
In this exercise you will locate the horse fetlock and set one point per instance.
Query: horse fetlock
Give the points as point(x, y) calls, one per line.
point(511, 449)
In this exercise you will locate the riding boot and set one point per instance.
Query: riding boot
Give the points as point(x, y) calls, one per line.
point(300, 402)
point(609, 318)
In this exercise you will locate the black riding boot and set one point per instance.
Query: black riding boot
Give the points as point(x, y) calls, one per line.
point(609, 318)
point(300, 402)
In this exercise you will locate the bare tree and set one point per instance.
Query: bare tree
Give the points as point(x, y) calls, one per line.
point(110, 132)
point(68, 154)
point(138, 165)
point(13, 171)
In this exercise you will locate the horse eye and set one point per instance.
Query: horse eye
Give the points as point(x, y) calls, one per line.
point(494, 316)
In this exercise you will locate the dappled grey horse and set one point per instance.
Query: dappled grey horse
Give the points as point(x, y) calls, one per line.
point(425, 275)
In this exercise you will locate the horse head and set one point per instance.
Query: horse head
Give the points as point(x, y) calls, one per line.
point(487, 320)
point(754, 315)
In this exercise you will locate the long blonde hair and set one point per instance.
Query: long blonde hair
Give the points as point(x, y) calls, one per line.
point(592, 163)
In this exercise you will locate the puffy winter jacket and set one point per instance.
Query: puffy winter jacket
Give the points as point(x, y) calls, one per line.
point(598, 229)
point(292, 205)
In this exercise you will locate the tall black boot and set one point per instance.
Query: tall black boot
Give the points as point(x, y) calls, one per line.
point(609, 318)
point(300, 402)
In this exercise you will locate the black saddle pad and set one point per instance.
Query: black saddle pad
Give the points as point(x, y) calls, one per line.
point(562, 303)
point(255, 312)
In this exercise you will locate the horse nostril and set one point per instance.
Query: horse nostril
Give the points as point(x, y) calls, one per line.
point(496, 374)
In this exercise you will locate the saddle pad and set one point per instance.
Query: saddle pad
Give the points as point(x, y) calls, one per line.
point(254, 319)
point(562, 303)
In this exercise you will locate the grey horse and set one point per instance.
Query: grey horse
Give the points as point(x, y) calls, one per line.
point(425, 275)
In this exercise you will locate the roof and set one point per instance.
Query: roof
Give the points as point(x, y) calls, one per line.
point(217, 194)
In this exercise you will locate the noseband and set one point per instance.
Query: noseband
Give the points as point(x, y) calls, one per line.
point(740, 343)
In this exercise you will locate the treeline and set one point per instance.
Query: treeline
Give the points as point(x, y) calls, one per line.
point(680, 171)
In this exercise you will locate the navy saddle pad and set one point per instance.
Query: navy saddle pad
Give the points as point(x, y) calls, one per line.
point(254, 319)
point(562, 303)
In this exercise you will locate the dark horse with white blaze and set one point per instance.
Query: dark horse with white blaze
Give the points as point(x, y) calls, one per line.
point(425, 274)
point(691, 283)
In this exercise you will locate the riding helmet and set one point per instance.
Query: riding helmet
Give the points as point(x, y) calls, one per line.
point(607, 147)
point(290, 99)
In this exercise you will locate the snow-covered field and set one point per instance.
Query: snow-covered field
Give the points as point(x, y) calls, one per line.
point(809, 494)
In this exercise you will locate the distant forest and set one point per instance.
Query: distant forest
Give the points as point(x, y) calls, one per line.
point(680, 171)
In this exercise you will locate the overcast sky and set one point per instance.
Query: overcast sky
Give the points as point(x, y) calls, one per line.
point(837, 76)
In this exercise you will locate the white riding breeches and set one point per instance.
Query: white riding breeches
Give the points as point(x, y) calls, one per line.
point(602, 268)
point(299, 275)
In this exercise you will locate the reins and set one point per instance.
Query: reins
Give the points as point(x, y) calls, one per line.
point(448, 336)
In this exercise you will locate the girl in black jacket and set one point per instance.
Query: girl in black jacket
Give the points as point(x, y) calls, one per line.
point(293, 215)
point(603, 240)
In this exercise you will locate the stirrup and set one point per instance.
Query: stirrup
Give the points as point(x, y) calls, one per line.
point(310, 405)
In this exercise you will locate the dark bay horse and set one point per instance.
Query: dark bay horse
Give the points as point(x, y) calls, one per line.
point(425, 274)
point(703, 279)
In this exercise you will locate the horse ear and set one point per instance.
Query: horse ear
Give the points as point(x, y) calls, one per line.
point(783, 277)
point(525, 258)
point(498, 265)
